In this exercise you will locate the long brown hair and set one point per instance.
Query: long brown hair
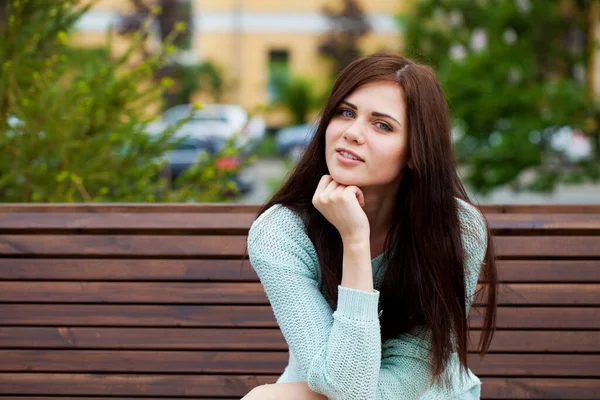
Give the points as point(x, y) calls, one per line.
point(421, 288)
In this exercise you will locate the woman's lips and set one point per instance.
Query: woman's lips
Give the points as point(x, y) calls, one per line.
point(347, 161)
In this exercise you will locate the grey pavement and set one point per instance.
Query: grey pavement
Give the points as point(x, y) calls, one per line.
point(263, 171)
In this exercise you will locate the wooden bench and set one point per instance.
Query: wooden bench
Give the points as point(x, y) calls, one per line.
point(152, 301)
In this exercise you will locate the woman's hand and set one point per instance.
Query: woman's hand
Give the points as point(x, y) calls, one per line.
point(342, 207)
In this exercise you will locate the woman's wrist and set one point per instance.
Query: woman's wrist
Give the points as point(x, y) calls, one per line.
point(356, 242)
point(356, 264)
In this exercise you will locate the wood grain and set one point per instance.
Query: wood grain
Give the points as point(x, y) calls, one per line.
point(517, 271)
point(235, 246)
point(534, 341)
point(236, 362)
point(239, 385)
point(256, 316)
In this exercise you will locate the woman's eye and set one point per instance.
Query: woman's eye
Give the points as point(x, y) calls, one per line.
point(384, 126)
point(344, 112)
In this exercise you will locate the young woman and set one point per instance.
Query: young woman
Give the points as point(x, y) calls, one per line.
point(370, 252)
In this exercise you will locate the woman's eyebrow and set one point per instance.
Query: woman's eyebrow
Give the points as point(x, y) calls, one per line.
point(374, 113)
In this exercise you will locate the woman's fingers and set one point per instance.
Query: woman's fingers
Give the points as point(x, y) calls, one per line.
point(325, 180)
point(324, 189)
point(323, 183)
point(327, 188)
point(350, 191)
point(326, 193)
point(356, 192)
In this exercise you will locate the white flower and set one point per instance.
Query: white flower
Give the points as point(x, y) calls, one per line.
point(479, 40)
point(523, 6)
point(458, 52)
point(510, 36)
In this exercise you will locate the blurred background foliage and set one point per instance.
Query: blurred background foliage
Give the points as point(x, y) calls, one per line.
point(73, 121)
point(156, 20)
point(299, 96)
point(341, 45)
point(514, 73)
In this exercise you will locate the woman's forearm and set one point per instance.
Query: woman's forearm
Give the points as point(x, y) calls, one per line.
point(357, 273)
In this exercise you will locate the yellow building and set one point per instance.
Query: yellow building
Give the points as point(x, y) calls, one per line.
point(245, 37)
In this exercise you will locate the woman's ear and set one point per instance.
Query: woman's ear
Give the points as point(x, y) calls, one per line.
point(410, 164)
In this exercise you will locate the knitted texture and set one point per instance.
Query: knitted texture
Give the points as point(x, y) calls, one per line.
point(339, 354)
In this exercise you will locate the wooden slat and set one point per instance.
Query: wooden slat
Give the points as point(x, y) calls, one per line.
point(533, 271)
point(110, 361)
point(540, 388)
point(540, 341)
point(123, 270)
point(238, 386)
point(253, 208)
point(549, 271)
point(198, 223)
point(540, 208)
point(250, 293)
point(127, 292)
point(234, 246)
point(256, 316)
point(123, 245)
point(142, 208)
point(108, 398)
point(239, 223)
point(148, 338)
point(541, 318)
point(544, 223)
point(130, 385)
point(555, 365)
point(257, 339)
point(549, 294)
point(208, 362)
point(549, 246)
point(137, 315)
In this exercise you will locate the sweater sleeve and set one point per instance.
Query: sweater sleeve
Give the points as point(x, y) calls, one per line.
point(339, 353)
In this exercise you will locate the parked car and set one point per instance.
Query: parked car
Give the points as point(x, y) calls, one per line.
point(217, 123)
point(292, 141)
point(186, 153)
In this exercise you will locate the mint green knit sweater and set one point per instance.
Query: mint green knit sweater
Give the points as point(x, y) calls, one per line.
point(339, 354)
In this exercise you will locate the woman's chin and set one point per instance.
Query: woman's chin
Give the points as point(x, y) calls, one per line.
point(345, 179)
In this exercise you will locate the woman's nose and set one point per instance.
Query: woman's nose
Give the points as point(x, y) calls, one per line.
point(355, 132)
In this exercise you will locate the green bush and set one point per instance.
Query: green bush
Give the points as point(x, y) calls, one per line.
point(73, 122)
point(513, 72)
point(267, 147)
point(297, 95)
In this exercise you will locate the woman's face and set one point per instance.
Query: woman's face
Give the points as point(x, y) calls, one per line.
point(371, 124)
